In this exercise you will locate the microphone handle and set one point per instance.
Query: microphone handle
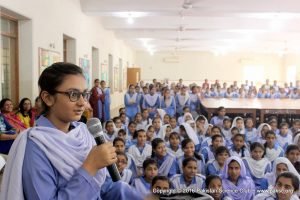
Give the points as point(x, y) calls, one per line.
point(112, 169)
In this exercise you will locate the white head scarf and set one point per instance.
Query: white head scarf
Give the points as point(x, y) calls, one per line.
point(206, 124)
point(272, 175)
point(163, 131)
point(260, 127)
point(191, 133)
point(161, 113)
point(186, 115)
point(296, 139)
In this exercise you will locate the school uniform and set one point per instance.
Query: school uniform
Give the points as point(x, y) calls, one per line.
point(198, 182)
point(284, 141)
point(257, 170)
point(140, 154)
point(167, 166)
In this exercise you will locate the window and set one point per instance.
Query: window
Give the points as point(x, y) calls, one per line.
point(9, 61)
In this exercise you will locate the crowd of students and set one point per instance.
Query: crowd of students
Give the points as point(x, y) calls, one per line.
point(164, 142)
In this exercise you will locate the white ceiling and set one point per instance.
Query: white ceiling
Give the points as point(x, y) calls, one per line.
point(270, 26)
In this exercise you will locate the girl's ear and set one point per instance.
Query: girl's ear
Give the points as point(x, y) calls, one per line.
point(47, 98)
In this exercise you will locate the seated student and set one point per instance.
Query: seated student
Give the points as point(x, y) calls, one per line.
point(186, 131)
point(284, 138)
point(146, 119)
point(25, 113)
point(218, 120)
point(167, 102)
point(188, 148)
point(239, 123)
point(294, 94)
point(189, 177)
point(239, 147)
point(156, 125)
point(122, 114)
point(236, 183)
point(130, 130)
point(139, 121)
point(233, 132)
point(180, 120)
point(165, 132)
point(128, 142)
point(280, 165)
point(257, 166)
point(214, 167)
point(119, 144)
point(226, 128)
point(118, 123)
point(166, 119)
point(286, 187)
point(215, 130)
point(149, 133)
point(166, 162)
point(160, 185)
point(297, 139)
point(295, 127)
point(174, 146)
point(214, 187)
point(182, 100)
point(208, 153)
point(124, 122)
point(140, 151)
point(201, 127)
point(143, 183)
point(186, 117)
point(6, 108)
point(110, 131)
point(173, 123)
point(261, 133)
point(126, 174)
point(273, 150)
point(273, 124)
point(7, 135)
point(250, 131)
point(293, 154)
point(151, 101)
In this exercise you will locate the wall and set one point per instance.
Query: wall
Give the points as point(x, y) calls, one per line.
point(196, 66)
point(45, 22)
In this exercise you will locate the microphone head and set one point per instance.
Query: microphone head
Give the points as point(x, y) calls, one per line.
point(94, 126)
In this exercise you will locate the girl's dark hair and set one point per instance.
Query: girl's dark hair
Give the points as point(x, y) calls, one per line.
point(185, 142)
point(175, 134)
point(200, 118)
point(53, 76)
point(115, 119)
point(187, 160)
point(123, 154)
point(108, 122)
point(149, 161)
point(154, 144)
point(222, 149)
point(268, 133)
point(122, 131)
point(291, 147)
point(294, 179)
point(220, 108)
point(210, 178)
point(234, 129)
point(21, 107)
point(160, 178)
point(3, 101)
point(136, 133)
point(259, 145)
point(117, 139)
point(213, 138)
point(238, 135)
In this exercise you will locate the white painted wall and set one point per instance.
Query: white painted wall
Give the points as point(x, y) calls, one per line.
point(48, 21)
point(196, 66)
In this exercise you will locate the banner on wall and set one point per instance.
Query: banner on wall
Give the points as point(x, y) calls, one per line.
point(85, 65)
point(47, 58)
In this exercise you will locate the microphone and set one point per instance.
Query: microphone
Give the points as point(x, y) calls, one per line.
point(95, 128)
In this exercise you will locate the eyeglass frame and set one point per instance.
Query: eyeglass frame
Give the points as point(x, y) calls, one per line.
point(69, 93)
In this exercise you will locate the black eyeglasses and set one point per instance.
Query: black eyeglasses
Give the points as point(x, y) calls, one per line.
point(75, 95)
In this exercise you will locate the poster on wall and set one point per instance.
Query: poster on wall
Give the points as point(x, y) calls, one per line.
point(47, 58)
point(85, 65)
point(104, 73)
point(116, 78)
